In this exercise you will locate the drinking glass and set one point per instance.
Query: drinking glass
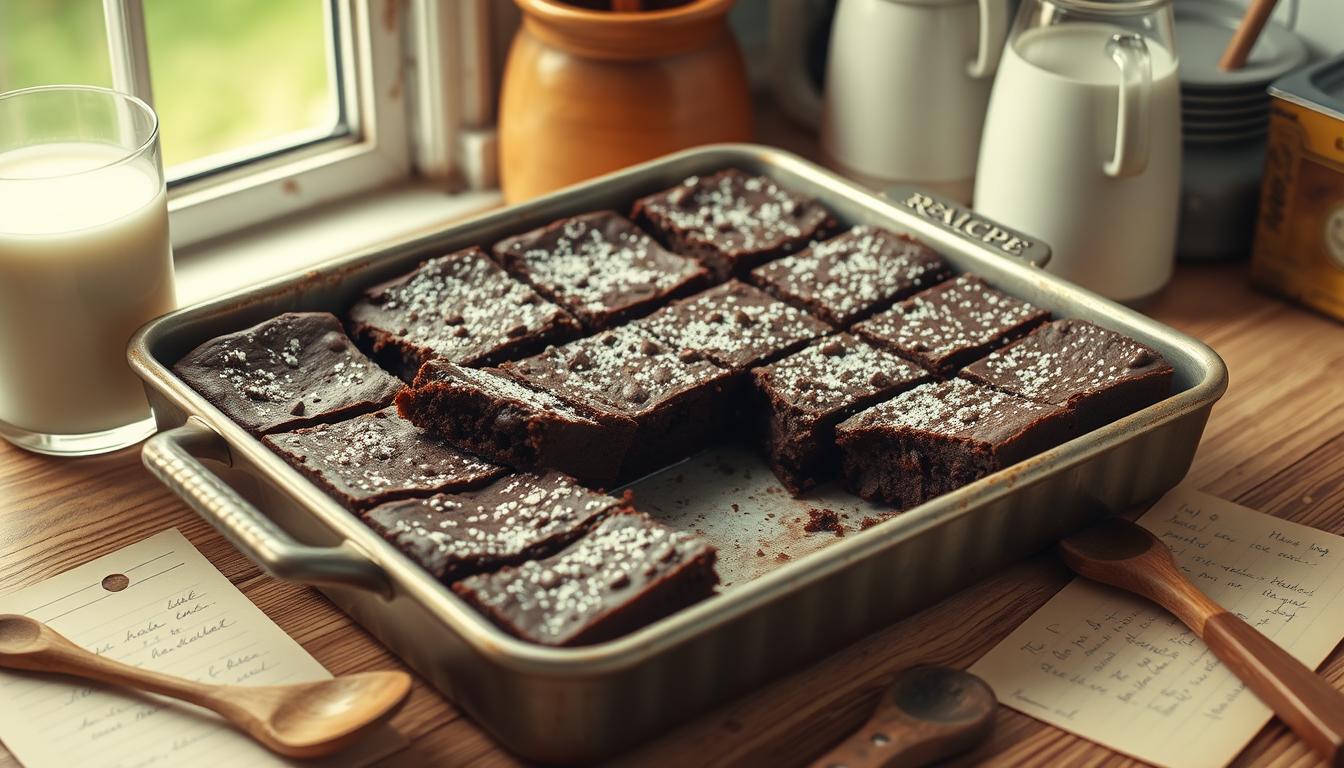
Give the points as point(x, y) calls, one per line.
point(84, 261)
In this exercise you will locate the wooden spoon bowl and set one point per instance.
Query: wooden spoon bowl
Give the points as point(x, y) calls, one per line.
point(299, 720)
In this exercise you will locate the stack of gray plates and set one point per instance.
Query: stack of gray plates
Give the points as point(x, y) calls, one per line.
point(1224, 118)
point(1218, 106)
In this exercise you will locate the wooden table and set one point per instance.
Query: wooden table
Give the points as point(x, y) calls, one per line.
point(1275, 442)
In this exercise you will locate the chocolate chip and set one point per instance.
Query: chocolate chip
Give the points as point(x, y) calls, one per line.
point(454, 318)
point(460, 332)
point(548, 579)
point(581, 282)
point(413, 316)
point(527, 298)
point(618, 580)
point(688, 355)
point(297, 409)
point(742, 318)
point(648, 347)
point(607, 339)
point(634, 393)
point(879, 379)
point(1140, 358)
point(580, 360)
point(968, 415)
point(515, 331)
point(715, 317)
point(833, 348)
point(918, 346)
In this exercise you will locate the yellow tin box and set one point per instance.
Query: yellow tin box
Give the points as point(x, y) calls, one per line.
point(1299, 237)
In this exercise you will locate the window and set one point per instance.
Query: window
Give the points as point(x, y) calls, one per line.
point(268, 107)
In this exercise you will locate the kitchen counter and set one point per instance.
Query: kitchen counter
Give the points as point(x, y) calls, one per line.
point(1275, 442)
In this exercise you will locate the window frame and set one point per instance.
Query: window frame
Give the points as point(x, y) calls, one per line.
point(266, 183)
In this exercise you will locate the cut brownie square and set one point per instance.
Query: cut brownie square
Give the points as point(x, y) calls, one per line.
point(678, 400)
point(849, 277)
point(520, 517)
point(600, 267)
point(952, 324)
point(626, 573)
point(731, 221)
point(485, 411)
point(379, 457)
point(290, 371)
point(1098, 374)
point(804, 396)
point(736, 325)
point(462, 307)
point(941, 436)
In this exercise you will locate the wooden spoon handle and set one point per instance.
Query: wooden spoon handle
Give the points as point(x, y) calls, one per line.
point(57, 654)
point(1300, 697)
point(1243, 40)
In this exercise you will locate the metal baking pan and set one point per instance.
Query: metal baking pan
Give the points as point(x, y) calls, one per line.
point(789, 597)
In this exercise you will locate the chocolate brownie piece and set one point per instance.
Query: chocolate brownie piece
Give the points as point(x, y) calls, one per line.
point(600, 267)
point(462, 307)
point(952, 324)
point(940, 436)
point(290, 371)
point(517, 518)
point(849, 277)
point(1098, 374)
point(731, 221)
point(378, 457)
point(736, 325)
point(486, 412)
point(628, 572)
point(802, 397)
point(679, 401)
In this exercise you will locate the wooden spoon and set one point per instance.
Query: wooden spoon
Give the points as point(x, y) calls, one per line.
point(928, 713)
point(1128, 556)
point(1248, 31)
point(300, 720)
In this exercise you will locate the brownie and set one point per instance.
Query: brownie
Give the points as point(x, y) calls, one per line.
point(680, 402)
point(520, 517)
point(848, 278)
point(1098, 374)
point(462, 307)
point(378, 457)
point(802, 397)
point(295, 369)
point(599, 267)
point(486, 412)
point(949, 325)
point(940, 436)
point(629, 571)
point(736, 325)
point(731, 221)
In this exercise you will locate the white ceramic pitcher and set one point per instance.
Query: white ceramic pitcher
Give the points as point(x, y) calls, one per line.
point(1082, 142)
point(907, 83)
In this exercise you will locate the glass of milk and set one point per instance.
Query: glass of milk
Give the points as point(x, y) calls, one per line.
point(84, 261)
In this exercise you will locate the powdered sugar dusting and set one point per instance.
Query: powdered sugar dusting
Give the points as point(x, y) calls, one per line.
point(849, 276)
point(835, 373)
point(956, 408)
point(555, 599)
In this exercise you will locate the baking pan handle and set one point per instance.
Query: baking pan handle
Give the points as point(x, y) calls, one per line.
point(969, 225)
point(174, 457)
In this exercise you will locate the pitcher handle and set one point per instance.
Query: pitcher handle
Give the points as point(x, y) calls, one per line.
point(1130, 54)
point(993, 28)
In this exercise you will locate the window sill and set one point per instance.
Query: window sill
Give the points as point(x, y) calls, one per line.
point(228, 263)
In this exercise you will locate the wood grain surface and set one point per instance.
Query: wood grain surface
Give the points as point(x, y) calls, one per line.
point(1275, 442)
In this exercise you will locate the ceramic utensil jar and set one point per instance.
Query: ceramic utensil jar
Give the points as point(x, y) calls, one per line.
point(907, 82)
point(590, 91)
point(1082, 141)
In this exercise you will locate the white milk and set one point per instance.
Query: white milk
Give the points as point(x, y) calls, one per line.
point(84, 261)
point(1050, 131)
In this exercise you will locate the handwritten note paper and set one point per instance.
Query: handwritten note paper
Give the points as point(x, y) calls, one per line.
point(1122, 672)
point(157, 604)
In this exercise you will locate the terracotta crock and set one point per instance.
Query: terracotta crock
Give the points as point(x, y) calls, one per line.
point(586, 92)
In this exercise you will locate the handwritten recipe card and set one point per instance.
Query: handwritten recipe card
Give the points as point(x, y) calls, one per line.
point(1120, 671)
point(161, 605)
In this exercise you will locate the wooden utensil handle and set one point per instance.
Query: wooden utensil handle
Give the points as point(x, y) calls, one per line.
point(1300, 697)
point(1243, 40)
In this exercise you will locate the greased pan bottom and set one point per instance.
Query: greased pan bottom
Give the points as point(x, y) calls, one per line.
point(775, 614)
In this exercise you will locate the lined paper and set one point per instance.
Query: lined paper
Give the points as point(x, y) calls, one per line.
point(1120, 671)
point(161, 605)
